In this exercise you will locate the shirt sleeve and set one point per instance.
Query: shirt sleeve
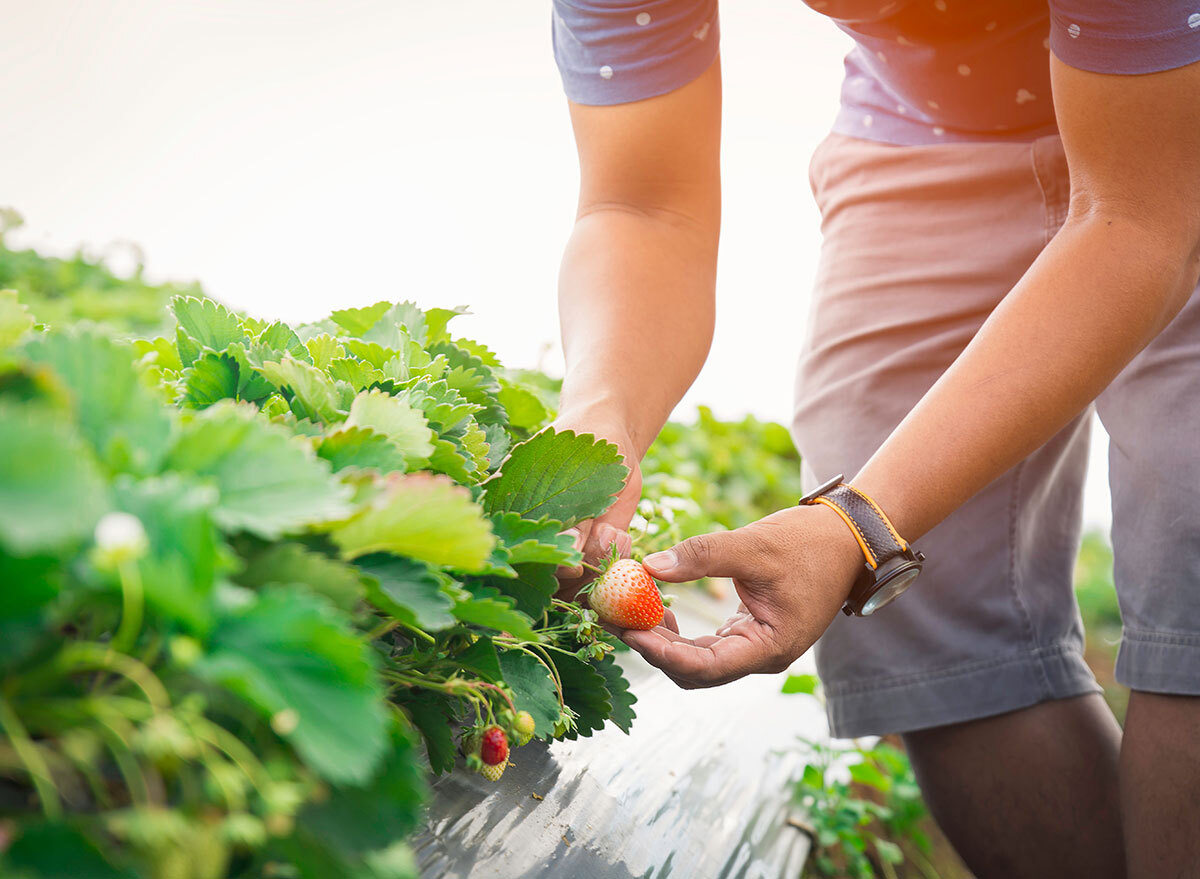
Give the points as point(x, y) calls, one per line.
point(1125, 36)
point(618, 51)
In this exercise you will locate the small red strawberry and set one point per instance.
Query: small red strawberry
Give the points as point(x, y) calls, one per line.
point(524, 726)
point(493, 746)
point(625, 595)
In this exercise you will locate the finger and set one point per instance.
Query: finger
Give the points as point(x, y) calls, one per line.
point(702, 665)
point(720, 554)
point(579, 536)
point(669, 620)
point(601, 540)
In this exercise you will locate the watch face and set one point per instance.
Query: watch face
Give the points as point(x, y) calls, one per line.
point(890, 589)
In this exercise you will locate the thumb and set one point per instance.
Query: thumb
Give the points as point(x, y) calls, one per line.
point(720, 554)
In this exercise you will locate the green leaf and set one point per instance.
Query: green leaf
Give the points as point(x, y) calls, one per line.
point(160, 352)
point(398, 324)
point(268, 481)
point(324, 349)
point(407, 590)
point(533, 689)
point(618, 690)
point(210, 378)
point(558, 474)
point(489, 609)
point(58, 851)
point(314, 392)
point(806, 684)
point(290, 651)
point(361, 447)
point(443, 406)
point(531, 588)
point(868, 773)
point(422, 516)
point(586, 691)
point(292, 564)
point(448, 460)
point(481, 658)
point(207, 324)
point(475, 349)
point(51, 492)
point(525, 409)
point(357, 321)
point(534, 541)
point(889, 851)
point(436, 320)
point(280, 337)
point(431, 714)
point(15, 319)
point(179, 570)
point(360, 819)
point(354, 372)
point(395, 419)
point(117, 412)
point(30, 584)
point(375, 355)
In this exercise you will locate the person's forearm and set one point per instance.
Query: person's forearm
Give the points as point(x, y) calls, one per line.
point(636, 304)
point(1101, 290)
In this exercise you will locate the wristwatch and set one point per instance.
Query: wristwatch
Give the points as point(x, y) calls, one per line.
point(892, 565)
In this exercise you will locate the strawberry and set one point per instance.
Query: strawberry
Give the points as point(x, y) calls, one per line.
point(625, 595)
point(493, 747)
point(493, 773)
point(524, 726)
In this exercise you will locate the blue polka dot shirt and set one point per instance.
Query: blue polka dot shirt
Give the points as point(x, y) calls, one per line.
point(921, 71)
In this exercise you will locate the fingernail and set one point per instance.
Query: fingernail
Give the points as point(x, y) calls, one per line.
point(576, 537)
point(607, 536)
point(661, 561)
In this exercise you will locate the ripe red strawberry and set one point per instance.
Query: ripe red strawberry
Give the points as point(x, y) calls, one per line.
point(625, 595)
point(524, 726)
point(493, 746)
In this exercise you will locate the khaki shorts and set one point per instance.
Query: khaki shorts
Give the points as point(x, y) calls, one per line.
point(920, 243)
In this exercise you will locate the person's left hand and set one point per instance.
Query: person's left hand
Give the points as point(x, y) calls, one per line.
point(793, 570)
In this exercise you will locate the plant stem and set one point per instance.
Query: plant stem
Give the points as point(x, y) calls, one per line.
point(132, 605)
point(35, 763)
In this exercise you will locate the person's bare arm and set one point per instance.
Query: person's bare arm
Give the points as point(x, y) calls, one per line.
point(1124, 263)
point(637, 283)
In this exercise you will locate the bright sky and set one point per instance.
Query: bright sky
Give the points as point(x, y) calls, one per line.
point(301, 156)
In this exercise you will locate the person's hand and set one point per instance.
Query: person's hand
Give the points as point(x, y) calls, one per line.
point(595, 536)
point(793, 570)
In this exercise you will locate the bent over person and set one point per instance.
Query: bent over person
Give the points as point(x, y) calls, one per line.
point(1010, 204)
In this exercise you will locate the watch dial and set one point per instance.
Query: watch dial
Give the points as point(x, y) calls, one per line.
point(890, 590)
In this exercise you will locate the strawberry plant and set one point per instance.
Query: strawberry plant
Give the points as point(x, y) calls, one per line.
point(260, 580)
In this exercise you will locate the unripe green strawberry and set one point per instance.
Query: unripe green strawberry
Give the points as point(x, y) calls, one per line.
point(493, 773)
point(524, 725)
point(493, 746)
point(625, 595)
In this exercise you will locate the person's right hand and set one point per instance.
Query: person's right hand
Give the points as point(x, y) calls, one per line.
point(595, 536)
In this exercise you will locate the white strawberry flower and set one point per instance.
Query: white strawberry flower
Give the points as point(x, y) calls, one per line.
point(119, 538)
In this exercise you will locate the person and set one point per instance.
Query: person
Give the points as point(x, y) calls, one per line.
point(1011, 235)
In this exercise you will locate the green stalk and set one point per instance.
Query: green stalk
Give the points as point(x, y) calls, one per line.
point(132, 607)
point(35, 763)
point(81, 655)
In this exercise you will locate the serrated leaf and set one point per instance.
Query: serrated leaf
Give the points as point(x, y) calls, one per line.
point(252, 386)
point(207, 324)
point(407, 590)
point(374, 354)
point(179, 570)
point(361, 447)
point(480, 658)
point(499, 443)
point(488, 608)
point(117, 412)
point(52, 850)
point(357, 321)
point(311, 388)
point(585, 690)
point(535, 541)
point(323, 349)
point(356, 373)
point(477, 349)
point(278, 336)
point(160, 352)
point(15, 319)
point(525, 409)
point(619, 695)
point(210, 378)
point(558, 474)
point(533, 689)
point(424, 517)
point(444, 407)
point(292, 564)
point(51, 491)
point(268, 482)
point(436, 320)
point(447, 459)
point(290, 650)
point(399, 323)
point(397, 420)
point(531, 587)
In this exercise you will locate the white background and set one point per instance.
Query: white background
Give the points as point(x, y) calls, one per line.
point(301, 156)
